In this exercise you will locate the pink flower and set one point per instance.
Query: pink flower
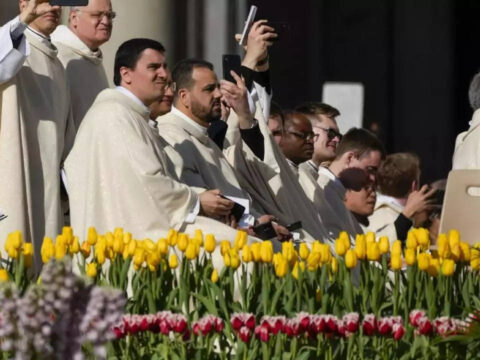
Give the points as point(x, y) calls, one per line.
point(242, 319)
point(384, 326)
point(291, 327)
point(414, 316)
point(119, 330)
point(317, 324)
point(262, 333)
point(303, 319)
point(351, 322)
point(236, 322)
point(219, 325)
point(341, 328)
point(398, 331)
point(369, 324)
point(444, 326)
point(274, 324)
point(164, 327)
point(196, 328)
point(330, 323)
point(425, 326)
point(245, 333)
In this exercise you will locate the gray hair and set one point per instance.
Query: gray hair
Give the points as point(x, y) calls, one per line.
point(474, 92)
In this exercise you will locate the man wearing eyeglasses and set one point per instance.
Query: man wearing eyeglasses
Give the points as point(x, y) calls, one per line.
point(322, 116)
point(79, 51)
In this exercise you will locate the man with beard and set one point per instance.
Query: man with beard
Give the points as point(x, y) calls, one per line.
point(36, 127)
point(196, 104)
point(78, 45)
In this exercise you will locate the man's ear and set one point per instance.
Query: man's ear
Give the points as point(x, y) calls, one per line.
point(126, 75)
point(184, 98)
point(349, 156)
point(73, 18)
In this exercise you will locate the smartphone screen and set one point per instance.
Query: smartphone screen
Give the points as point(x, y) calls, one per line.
point(69, 2)
point(231, 62)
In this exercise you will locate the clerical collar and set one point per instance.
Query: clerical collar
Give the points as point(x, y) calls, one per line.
point(132, 96)
point(312, 164)
point(292, 164)
point(193, 123)
point(44, 39)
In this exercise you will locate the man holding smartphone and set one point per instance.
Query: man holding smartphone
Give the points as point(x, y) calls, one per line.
point(36, 128)
point(78, 45)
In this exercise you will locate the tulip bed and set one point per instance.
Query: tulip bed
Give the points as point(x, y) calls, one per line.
point(369, 301)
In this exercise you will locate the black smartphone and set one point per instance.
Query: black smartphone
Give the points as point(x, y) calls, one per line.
point(294, 226)
point(282, 29)
point(69, 2)
point(231, 62)
point(237, 210)
point(265, 231)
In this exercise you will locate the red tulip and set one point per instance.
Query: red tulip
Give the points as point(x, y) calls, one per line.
point(262, 333)
point(414, 316)
point(425, 326)
point(351, 322)
point(369, 324)
point(244, 333)
point(398, 331)
point(384, 326)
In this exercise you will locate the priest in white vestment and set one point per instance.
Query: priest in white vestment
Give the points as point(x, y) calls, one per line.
point(79, 51)
point(36, 127)
point(118, 172)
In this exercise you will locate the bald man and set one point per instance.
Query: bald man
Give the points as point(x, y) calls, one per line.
point(79, 51)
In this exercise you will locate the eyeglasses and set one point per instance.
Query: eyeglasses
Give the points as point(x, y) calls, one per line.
point(331, 134)
point(100, 14)
point(304, 136)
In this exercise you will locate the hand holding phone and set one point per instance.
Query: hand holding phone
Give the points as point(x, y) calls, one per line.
point(231, 63)
point(265, 231)
point(248, 24)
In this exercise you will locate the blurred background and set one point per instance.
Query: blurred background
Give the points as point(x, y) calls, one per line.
point(411, 59)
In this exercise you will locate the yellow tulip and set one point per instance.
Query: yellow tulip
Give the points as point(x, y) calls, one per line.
point(410, 256)
point(396, 248)
point(100, 254)
point(456, 252)
point(172, 237)
point(118, 244)
point(256, 251)
point(198, 236)
point(412, 242)
point(325, 254)
point(67, 233)
point(85, 249)
point(131, 247)
point(340, 247)
point(361, 246)
point(453, 238)
point(334, 264)
point(226, 259)
point(345, 238)
point(60, 247)
point(296, 267)
point(373, 251)
point(282, 267)
point(28, 254)
point(465, 249)
point(150, 246)
point(75, 245)
point(173, 261)
point(396, 262)
point(162, 246)
point(47, 250)
point(214, 276)
point(316, 246)
point(225, 246)
point(110, 238)
point(92, 236)
point(423, 261)
point(433, 267)
point(318, 295)
point(351, 259)
point(91, 270)
point(448, 267)
point(443, 246)
point(101, 242)
point(304, 252)
point(423, 238)
point(475, 259)
point(234, 259)
point(191, 252)
point(240, 239)
point(384, 245)
point(288, 250)
point(153, 260)
point(266, 251)
point(3, 275)
point(14, 240)
point(210, 243)
point(127, 237)
point(139, 257)
point(313, 261)
point(276, 258)
point(370, 237)
point(246, 254)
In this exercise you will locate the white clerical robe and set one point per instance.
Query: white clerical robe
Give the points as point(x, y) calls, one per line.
point(119, 175)
point(36, 132)
point(332, 208)
point(310, 168)
point(382, 221)
point(84, 68)
point(203, 163)
point(467, 146)
point(270, 182)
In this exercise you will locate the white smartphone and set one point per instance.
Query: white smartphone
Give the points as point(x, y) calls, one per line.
point(248, 25)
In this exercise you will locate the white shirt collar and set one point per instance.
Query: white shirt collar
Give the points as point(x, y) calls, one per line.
point(44, 39)
point(388, 200)
point(132, 96)
point(313, 165)
point(328, 173)
point(193, 123)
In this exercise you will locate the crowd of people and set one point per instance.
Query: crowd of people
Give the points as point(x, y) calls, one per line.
point(179, 148)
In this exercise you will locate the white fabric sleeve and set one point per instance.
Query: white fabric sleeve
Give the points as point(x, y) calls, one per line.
point(11, 59)
point(190, 219)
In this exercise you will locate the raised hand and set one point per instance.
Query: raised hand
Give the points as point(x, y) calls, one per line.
point(235, 97)
point(34, 9)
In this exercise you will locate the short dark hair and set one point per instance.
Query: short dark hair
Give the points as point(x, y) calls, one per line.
point(129, 52)
point(318, 108)
point(361, 142)
point(474, 92)
point(276, 111)
point(396, 174)
point(182, 72)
